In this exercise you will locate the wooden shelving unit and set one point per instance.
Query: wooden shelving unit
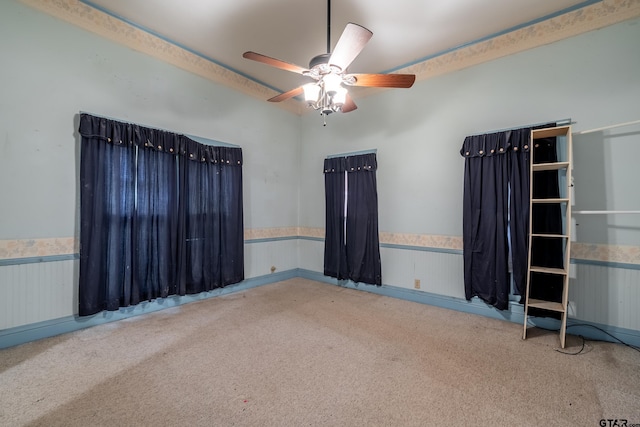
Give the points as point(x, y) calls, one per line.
point(564, 168)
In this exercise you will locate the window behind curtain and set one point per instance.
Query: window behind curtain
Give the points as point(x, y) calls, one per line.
point(161, 215)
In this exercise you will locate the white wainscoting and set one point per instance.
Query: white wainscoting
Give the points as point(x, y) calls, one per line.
point(439, 273)
point(261, 255)
point(605, 295)
point(36, 292)
point(40, 291)
point(311, 252)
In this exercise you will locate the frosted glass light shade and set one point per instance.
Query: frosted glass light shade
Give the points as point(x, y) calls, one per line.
point(340, 97)
point(311, 92)
point(332, 83)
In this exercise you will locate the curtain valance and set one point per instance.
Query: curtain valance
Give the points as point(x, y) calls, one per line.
point(335, 165)
point(120, 133)
point(361, 162)
point(491, 144)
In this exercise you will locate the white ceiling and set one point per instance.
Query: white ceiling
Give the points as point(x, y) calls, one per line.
point(404, 31)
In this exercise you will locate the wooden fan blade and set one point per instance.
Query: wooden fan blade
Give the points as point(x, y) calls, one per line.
point(384, 80)
point(351, 42)
point(349, 105)
point(284, 96)
point(274, 62)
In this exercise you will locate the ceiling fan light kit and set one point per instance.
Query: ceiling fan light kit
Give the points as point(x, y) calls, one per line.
point(327, 92)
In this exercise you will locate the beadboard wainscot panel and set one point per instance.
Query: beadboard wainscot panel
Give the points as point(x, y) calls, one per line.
point(605, 294)
point(311, 254)
point(38, 291)
point(265, 249)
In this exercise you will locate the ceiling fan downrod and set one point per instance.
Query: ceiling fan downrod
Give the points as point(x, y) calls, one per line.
point(328, 27)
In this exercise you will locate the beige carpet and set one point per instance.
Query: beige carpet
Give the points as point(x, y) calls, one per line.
point(303, 353)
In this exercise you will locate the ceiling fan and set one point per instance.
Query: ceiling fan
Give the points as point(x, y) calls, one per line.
point(329, 72)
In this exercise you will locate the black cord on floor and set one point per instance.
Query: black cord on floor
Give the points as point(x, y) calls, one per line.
point(607, 333)
point(573, 354)
point(584, 339)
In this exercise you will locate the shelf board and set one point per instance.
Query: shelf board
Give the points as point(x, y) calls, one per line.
point(546, 305)
point(549, 200)
point(549, 132)
point(563, 236)
point(548, 270)
point(550, 166)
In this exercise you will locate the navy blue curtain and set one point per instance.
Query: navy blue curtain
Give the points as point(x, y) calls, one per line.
point(496, 184)
point(107, 197)
point(154, 219)
point(485, 246)
point(519, 166)
point(352, 247)
point(210, 206)
point(160, 215)
point(363, 245)
point(335, 249)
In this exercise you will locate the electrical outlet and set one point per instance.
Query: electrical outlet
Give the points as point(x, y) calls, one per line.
point(416, 284)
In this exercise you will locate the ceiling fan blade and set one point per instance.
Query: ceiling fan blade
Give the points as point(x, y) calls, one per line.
point(351, 42)
point(384, 80)
point(349, 105)
point(284, 96)
point(274, 62)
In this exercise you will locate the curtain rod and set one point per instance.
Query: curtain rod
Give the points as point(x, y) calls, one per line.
point(200, 139)
point(561, 122)
point(353, 153)
point(608, 127)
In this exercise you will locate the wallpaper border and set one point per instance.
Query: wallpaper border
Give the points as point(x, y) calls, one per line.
point(588, 18)
point(62, 246)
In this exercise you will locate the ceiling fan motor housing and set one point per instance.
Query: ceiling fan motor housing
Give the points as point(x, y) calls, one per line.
point(319, 66)
point(321, 59)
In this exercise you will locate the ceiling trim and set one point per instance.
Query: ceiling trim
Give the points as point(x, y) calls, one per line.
point(572, 23)
point(558, 27)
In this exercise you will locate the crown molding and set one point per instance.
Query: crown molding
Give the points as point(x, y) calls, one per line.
point(572, 23)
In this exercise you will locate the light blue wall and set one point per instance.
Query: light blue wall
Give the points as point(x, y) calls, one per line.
point(52, 70)
point(606, 177)
point(591, 78)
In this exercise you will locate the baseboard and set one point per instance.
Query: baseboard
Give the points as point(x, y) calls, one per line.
point(593, 331)
point(515, 312)
point(35, 331)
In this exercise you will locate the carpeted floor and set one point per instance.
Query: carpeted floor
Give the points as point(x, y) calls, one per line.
point(299, 353)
